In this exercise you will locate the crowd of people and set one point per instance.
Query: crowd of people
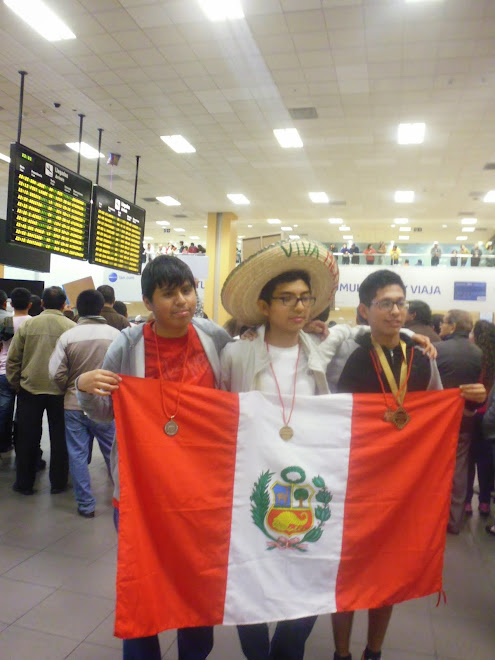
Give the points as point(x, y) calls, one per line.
point(350, 255)
point(149, 251)
point(70, 369)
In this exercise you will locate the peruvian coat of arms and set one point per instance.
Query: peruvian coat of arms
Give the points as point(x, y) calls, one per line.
point(290, 511)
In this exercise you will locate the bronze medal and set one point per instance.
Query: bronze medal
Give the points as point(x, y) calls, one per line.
point(286, 432)
point(388, 415)
point(171, 427)
point(400, 418)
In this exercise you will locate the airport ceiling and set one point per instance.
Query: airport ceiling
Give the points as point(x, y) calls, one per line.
point(141, 69)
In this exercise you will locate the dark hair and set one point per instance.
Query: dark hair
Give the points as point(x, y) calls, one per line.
point(436, 319)
point(462, 320)
point(484, 337)
point(375, 281)
point(165, 270)
point(35, 301)
point(421, 310)
point(69, 314)
point(20, 298)
point(284, 278)
point(360, 320)
point(323, 316)
point(108, 293)
point(89, 303)
point(54, 297)
point(3, 297)
point(120, 307)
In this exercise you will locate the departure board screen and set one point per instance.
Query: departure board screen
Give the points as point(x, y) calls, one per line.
point(48, 205)
point(117, 229)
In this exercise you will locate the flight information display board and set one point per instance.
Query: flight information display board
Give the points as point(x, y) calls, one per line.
point(117, 229)
point(48, 205)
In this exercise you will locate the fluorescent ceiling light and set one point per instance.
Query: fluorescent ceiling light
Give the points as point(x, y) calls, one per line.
point(222, 10)
point(404, 196)
point(85, 149)
point(178, 143)
point(147, 238)
point(468, 229)
point(319, 197)
point(469, 221)
point(344, 228)
point(163, 223)
point(205, 226)
point(286, 228)
point(296, 225)
point(393, 226)
point(42, 19)
point(249, 226)
point(288, 138)
point(179, 229)
point(5, 158)
point(404, 237)
point(335, 221)
point(444, 226)
point(193, 237)
point(294, 237)
point(348, 237)
point(405, 228)
point(401, 221)
point(238, 198)
point(274, 221)
point(461, 238)
point(490, 196)
point(168, 201)
point(411, 133)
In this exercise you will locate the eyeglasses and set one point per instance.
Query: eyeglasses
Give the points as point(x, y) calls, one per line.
point(388, 305)
point(291, 300)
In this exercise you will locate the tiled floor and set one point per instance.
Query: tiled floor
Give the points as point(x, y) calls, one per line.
point(57, 575)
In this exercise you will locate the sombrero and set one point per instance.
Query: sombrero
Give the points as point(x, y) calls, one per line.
point(243, 286)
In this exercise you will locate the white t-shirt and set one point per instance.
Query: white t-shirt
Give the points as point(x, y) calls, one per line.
point(17, 321)
point(284, 363)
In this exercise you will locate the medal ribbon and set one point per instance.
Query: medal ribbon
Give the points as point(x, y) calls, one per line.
point(378, 358)
point(181, 386)
point(286, 422)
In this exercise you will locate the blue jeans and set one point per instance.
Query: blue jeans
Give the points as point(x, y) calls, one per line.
point(7, 399)
point(79, 434)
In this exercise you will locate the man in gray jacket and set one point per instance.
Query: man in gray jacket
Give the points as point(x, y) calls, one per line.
point(78, 350)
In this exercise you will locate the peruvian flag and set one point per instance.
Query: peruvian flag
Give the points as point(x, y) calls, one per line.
point(227, 523)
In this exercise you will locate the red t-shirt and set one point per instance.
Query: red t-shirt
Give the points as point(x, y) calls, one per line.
point(173, 354)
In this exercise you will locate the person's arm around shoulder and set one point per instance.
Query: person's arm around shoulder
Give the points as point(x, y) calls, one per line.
point(14, 358)
point(337, 335)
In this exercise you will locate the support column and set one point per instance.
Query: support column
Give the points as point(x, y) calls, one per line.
point(221, 238)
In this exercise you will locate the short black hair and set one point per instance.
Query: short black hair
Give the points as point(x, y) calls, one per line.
point(54, 297)
point(20, 298)
point(3, 297)
point(436, 319)
point(35, 305)
point(120, 307)
point(108, 293)
point(165, 270)
point(422, 311)
point(90, 303)
point(375, 281)
point(284, 278)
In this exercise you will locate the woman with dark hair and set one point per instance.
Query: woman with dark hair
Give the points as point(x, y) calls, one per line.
point(480, 453)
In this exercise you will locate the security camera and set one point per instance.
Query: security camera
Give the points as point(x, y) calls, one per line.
point(57, 105)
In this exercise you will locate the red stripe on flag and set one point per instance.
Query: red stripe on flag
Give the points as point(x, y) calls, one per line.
point(395, 517)
point(175, 506)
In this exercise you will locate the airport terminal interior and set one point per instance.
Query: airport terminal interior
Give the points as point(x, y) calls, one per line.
point(210, 129)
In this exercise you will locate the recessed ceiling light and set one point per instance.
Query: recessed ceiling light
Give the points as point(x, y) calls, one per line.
point(147, 238)
point(193, 237)
point(86, 150)
point(168, 201)
point(444, 226)
point(286, 228)
point(404, 196)
point(393, 226)
point(249, 226)
point(411, 133)
point(401, 221)
point(480, 242)
point(294, 237)
point(296, 225)
point(238, 198)
point(405, 228)
point(344, 228)
point(348, 237)
point(461, 238)
point(163, 223)
point(179, 229)
point(274, 221)
point(5, 158)
point(468, 229)
point(42, 19)
point(489, 197)
point(222, 10)
point(288, 138)
point(335, 221)
point(469, 221)
point(319, 197)
point(404, 237)
point(205, 226)
point(178, 143)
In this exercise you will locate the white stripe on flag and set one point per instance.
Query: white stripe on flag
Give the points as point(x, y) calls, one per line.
point(278, 584)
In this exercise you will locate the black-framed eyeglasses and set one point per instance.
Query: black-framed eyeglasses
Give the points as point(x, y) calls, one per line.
point(388, 305)
point(292, 300)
